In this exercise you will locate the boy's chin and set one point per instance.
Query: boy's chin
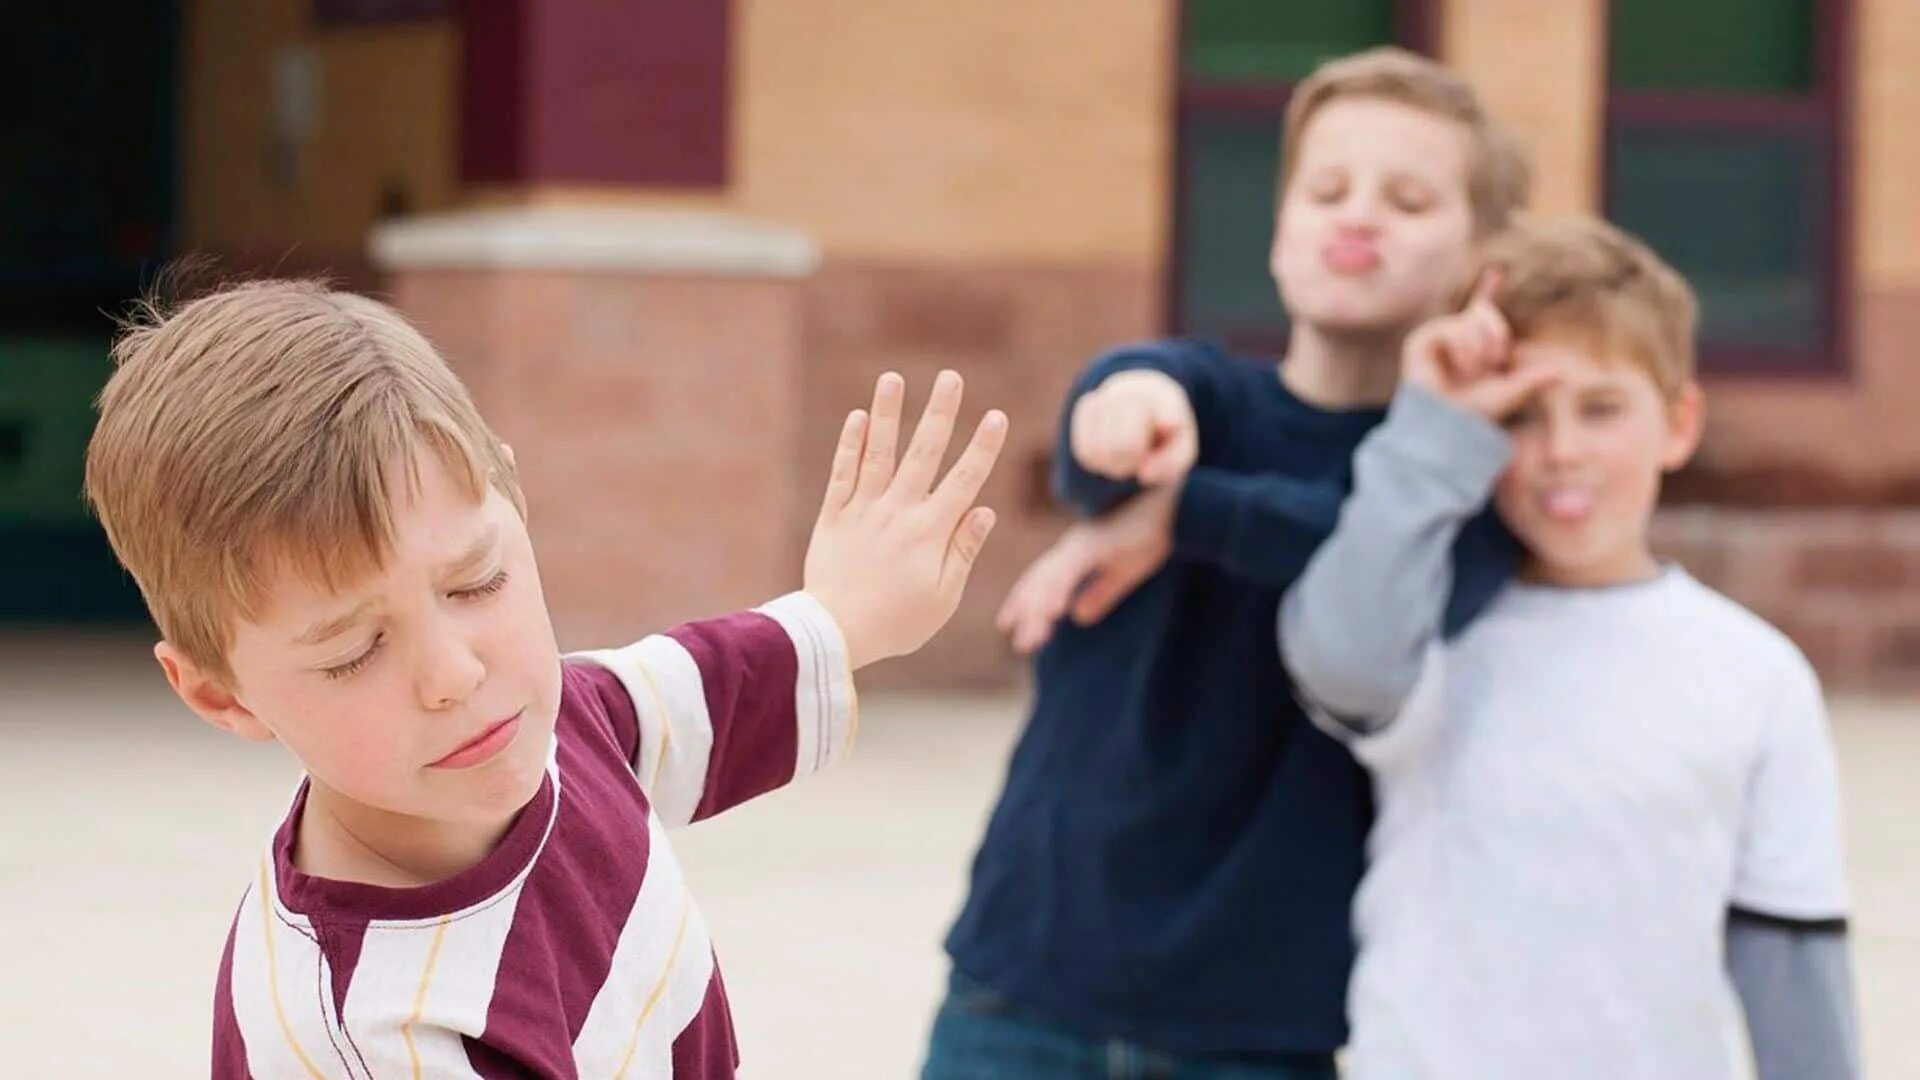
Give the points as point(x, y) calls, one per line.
point(1359, 318)
point(1579, 567)
point(500, 798)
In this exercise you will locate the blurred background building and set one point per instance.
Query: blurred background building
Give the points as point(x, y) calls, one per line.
point(669, 242)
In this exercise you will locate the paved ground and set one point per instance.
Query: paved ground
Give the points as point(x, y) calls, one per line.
point(126, 829)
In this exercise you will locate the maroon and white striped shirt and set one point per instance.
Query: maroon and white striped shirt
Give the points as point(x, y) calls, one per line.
point(574, 949)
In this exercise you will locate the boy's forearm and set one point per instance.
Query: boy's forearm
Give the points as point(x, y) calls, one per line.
point(730, 708)
point(1260, 527)
point(1796, 986)
point(1355, 629)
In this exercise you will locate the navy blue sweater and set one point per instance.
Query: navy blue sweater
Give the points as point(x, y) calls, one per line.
point(1175, 852)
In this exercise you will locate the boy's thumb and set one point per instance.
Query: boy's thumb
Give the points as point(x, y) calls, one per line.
point(1509, 393)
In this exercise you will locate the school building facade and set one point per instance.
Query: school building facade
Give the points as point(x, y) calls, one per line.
point(668, 243)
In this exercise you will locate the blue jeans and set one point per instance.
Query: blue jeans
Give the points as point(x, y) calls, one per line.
point(979, 1035)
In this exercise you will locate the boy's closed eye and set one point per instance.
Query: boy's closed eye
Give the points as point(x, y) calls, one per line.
point(1327, 186)
point(358, 662)
point(1411, 196)
point(1602, 406)
point(1525, 416)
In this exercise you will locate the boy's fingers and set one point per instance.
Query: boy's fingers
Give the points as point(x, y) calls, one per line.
point(1510, 393)
point(1487, 287)
point(845, 473)
point(1114, 581)
point(1498, 335)
point(1103, 591)
point(1449, 350)
point(1093, 441)
point(965, 547)
point(1003, 619)
point(1028, 592)
point(1090, 444)
point(1169, 460)
point(1477, 347)
point(930, 438)
point(1486, 346)
point(1032, 633)
point(1106, 448)
point(962, 484)
point(883, 432)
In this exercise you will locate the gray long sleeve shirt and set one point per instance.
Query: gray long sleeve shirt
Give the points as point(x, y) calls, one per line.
point(1608, 817)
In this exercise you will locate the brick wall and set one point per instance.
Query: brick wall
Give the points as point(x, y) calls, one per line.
point(1843, 583)
point(653, 421)
point(1019, 333)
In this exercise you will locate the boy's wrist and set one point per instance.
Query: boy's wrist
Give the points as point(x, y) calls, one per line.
point(837, 615)
point(1448, 440)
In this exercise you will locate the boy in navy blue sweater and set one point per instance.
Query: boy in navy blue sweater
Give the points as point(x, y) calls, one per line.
point(1164, 887)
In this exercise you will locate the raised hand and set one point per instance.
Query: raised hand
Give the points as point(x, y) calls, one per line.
point(1467, 357)
point(892, 548)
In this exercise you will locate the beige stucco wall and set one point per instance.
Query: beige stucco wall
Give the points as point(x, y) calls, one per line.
point(1540, 68)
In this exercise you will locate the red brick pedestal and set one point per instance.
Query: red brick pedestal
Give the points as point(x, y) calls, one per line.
point(646, 368)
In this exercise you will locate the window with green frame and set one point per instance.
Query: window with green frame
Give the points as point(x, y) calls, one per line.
point(1239, 60)
point(1723, 149)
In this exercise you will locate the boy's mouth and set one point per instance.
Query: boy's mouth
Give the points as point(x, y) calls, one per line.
point(482, 747)
point(1351, 257)
point(1567, 505)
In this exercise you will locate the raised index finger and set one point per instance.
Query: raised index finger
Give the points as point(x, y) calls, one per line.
point(1487, 287)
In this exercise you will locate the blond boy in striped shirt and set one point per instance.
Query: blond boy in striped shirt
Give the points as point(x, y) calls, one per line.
point(474, 877)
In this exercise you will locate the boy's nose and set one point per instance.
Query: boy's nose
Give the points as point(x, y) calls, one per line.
point(1359, 215)
point(1564, 441)
point(450, 676)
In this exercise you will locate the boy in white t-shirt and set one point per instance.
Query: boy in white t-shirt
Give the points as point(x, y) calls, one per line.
point(1608, 809)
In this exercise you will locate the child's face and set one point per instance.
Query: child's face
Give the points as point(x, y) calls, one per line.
point(1376, 228)
point(427, 691)
point(1588, 455)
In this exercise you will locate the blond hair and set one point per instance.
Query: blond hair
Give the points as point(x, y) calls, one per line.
point(263, 428)
point(1498, 178)
point(1584, 278)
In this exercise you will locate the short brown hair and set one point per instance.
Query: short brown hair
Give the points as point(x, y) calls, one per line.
point(1498, 178)
point(1583, 277)
point(261, 427)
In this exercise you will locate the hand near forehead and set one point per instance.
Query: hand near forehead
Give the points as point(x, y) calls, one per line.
point(1467, 358)
point(891, 549)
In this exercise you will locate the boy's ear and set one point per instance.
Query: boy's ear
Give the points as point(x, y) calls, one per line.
point(1686, 419)
point(208, 696)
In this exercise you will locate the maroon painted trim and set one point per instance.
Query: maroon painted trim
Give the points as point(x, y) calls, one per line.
point(1827, 108)
point(1837, 61)
point(1200, 95)
point(1416, 27)
point(332, 13)
point(1760, 362)
point(587, 92)
point(493, 93)
point(1718, 111)
point(1172, 308)
point(1174, 277)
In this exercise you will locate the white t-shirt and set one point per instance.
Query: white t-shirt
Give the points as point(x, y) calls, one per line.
point(1579, 788)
